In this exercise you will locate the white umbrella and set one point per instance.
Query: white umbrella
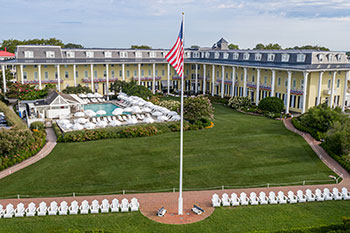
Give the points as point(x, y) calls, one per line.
point(90, 113)
point(118, 111)
point(157, 108)
point(98, 95)
point(115, 123)
point(149, 104)
point(79, 114)
point(77, 126)
point(162, 118)
point(148, 120)
point(141, 103)
point(157, 113)
point(90, 95)
point(89, 125)
point(172, 113)
point(131, 121)
point(82, 95)
point(101, 124)
point(63, 122)
point(67, 126)
point(147, 110)
point(80, 120)
point(101, 112)
point(165, 110)
point(127, 109)
point(136, 109)
point(176, 118)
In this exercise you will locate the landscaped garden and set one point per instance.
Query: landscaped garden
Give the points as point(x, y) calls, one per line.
point(240, 150)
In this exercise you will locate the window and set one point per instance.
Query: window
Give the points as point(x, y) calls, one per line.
point(329, 83)
point(216, 55)
point(66, 66)
point(258, 56)
point(45, 66)
point(301, 57)
point(135, 73)
point(188, 54)
point(195, 55)
point(70, 54)
point(302, 84)
point(285, 57)
point(28, 54)
point(270, 57)
point(76, 74)
point(152, 54)
point(253, 78)
point(142, 73)
point(66, 74)
point(338, 83)
point(226, 55)
point(123, 54)
point(265, 80)
point(46, 75)
point(294, 83)
point(128, 73)
point(89, 54)
point(138, 54)
point(113, 73)
point(95, 73)
point(320, 57)
point(163, 72)
point(35, 75)
point(286, 82)
point(86, 74)
point(104, 74)
point(207, 54)
point(235, 56)
point(108, 54)
point(246, 56)
point(156, 72)
point(279, 81)
point(339, 57)
point(25, 75)
point(149, 72)
point(120, 73)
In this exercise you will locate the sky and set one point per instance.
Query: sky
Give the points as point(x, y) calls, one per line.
point(122, 23)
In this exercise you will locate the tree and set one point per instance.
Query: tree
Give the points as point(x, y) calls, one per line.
point(73, 46)
point(309, 47)
point(195, 47)
point(131, 88)
point(259, 47)
point(141, 47)
point(268, 47)
point(196, 108)
point(271, 104)
point(77, 90)
point(233, 46)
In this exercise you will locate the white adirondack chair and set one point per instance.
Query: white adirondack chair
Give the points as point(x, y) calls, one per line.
point(20, 210)
point(272, 198)
point(244, 199)
point(104, 206)
point(225, 200)
point(9, 211)
point(134, 204)
point(53, 208)
point(73, 208)
point(292, 198)
point(263, 200)
point(95, 207)
point(42, 209)
point(282, 199)
point(301, 197)
point(309, 195)
point(1, 211)
point(215, 200)
point(31, 210)
point(63, 209)
point(84, 208)
point(124, 207)
point(319, 195)
point(345, 193)
point(328, 196)
point(337, 195)
point(115, 205)
point(234, 200)
point(254, 200)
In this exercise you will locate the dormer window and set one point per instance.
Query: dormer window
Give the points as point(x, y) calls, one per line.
point(164, 54)
point(339, 57)
point(123, 54)
point(89, 54)
point(138, 54)
point(195, 54)
point(301, 57)
point(235, 56)
point(70, 54)
point(226, 55)
point(50, 54)
point(188, 54)
point(202, 54)
point(258, 56)
point(320, 57)
point(152, 54)
point(270, 57)
point(285, 57)
point(246, 56)
point(28, 54)
point(108, 54)
point(207, 55)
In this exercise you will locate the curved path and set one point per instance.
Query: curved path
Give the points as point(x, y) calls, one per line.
point(151, 202)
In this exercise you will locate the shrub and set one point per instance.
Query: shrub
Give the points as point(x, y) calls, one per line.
point(76, 90)
point(57, 131)
point(238, 102)
point(131, 89)
point(27, 91)
point(172, 105)
point(198, 107)
point(218, 99)
point(271, 104)
point(38, 125)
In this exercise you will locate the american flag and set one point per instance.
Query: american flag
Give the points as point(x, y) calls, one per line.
point(176, 55)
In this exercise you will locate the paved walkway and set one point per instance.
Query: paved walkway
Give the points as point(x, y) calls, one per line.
point(151, 202)
point(50, 144)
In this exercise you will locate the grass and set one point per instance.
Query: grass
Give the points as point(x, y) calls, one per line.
point(241, 150)
point(11, 117)
point(266, 218)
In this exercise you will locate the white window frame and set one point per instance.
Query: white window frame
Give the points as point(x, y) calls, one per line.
point(235, 56)
point(70, 54)
point(138, 54)
point(108, 54)
point(152, 54)
point(320, 57)
point(301, 57)
point(28, 54)
point(123, 54)
point(258, 56)
point(89, 54)
point(195, 55)
point(271, 57)
point(207, 55)
point(285, 57)
point(246, 56)
point(188, 54)
point(216, 55)
point(226, 55)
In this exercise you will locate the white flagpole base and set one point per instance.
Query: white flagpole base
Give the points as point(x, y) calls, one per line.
point(180, 206)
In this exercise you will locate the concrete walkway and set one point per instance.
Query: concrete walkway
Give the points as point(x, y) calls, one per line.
point(50, 144)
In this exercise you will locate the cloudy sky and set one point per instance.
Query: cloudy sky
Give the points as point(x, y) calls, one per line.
point(121, 23)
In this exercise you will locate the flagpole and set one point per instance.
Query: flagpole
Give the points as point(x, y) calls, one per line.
point(180, 209)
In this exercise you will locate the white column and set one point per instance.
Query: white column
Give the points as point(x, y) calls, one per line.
point(273, 82)
point(288, 90)
point(257, 86)
point(58, 78)
point(204, 77)
point(196, 80)
point(139, 72)
point(332, 91)
point(233, 81)
point(3, 78)
point(107, 79)
point(168, 74)
point(319, 88)
point(245, 82)
point(123, 71)
point(347, 74)
point(39, 75)
point(22, 75)
point(222, 81)
point(213, 81)
point(92, 76)
point(154, 79)
point(75, 74)
point(306, 75)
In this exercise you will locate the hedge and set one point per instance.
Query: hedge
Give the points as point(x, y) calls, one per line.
point(340, 159)
point(57, 130)
point(298, 125)
point(271, 104)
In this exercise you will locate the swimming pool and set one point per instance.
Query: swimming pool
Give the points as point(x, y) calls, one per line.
point(109, 108)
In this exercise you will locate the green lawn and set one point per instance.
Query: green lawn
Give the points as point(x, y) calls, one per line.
point(239, 219)
point(241, 150)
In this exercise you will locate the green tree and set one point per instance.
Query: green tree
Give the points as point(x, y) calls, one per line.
point(259, 47)
point(131, 88)
point(271, 104)
point(268, 47)
point(77, 90)
point(73, 46)
point(309, 47)
point(141, 47)
point(195, 47)
point(233, 46)
point(196, 108)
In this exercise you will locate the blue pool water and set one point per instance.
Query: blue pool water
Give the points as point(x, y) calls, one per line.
point(109, 108)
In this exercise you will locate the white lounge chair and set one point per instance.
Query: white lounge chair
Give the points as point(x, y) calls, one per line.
point(73, 208)
point(301, 197)
point(337, 195)
point(272, 198)
point(263, 199)
point(42, 209)
point(328, 196)
point(254, 200)
point(235, 201)
point(53, 208)
point(104, 206)
point(345, 193)
point(94, 120)
point(9, 211)
point(63, 209)
point(98, 119)
point(292, 198)
point(120, 118)
point(84, 207)
point(282, 199)
point(319, 195)
point(19, 211)
point(244, 199)
point(95, 207)
point(215, 200)
point(225, 200)
point(124, 207)
point(134, 204)
point(309, 195)
point(1, 211)
point(115, 205)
